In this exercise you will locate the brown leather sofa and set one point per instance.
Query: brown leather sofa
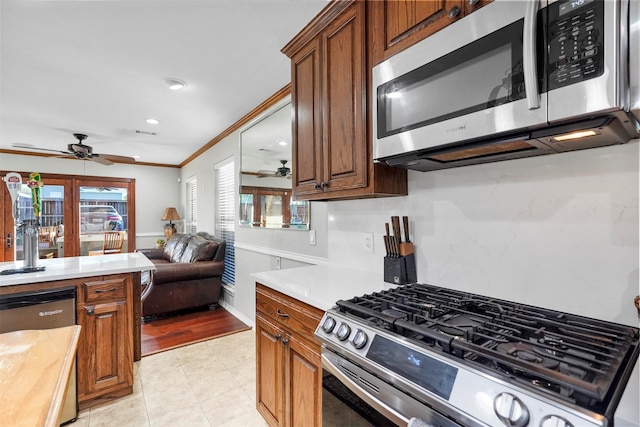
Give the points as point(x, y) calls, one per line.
point(188, 274)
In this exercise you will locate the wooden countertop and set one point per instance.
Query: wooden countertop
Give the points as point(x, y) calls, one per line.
point(34, 371)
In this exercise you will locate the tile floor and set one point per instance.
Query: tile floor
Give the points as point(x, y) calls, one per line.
point(207, 384)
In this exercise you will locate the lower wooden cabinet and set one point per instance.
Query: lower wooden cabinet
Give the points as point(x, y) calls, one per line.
point(106, 346)
point(288, 365)
point(269, 372)
point(104, 310)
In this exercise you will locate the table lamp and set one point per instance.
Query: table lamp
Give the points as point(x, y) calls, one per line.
point(170, 214)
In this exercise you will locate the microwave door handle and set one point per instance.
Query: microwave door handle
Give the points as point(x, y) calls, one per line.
point(529, 55)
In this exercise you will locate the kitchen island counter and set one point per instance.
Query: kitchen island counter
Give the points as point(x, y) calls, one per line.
point(322, 285)
point(76, 267)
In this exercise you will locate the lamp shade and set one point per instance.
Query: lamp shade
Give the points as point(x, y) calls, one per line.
point(170, 214)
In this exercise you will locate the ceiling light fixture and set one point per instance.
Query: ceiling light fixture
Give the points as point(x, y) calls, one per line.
point(152, 121)
point(283, 143)
point(175, 84)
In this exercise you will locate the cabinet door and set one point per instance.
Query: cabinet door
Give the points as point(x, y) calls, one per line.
point(402, 23)
point(107, 353)
point(307, 118)
point(345, 138)
point(269, 374)
point(303, 377)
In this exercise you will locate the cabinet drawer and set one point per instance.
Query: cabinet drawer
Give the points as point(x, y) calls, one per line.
point(287, 312)
point(104, 290)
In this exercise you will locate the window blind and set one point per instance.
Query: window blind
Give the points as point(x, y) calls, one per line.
point(225, 215)
point(191, 226)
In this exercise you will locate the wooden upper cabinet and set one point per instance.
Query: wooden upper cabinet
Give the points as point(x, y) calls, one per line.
point(344, 115)
point(330, 75)
point(307, 120)
point(398, 24)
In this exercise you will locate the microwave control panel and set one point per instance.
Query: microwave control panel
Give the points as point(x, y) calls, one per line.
point(576, 42)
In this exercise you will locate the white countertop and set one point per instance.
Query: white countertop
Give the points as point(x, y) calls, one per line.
point(75, 267)
point(322, 285)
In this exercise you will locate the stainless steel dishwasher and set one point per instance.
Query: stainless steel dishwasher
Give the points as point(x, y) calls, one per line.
point(47, 309)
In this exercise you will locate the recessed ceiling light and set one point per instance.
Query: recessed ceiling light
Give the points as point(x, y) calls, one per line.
point(175, 84)
point(152, 121)
point(283, 143)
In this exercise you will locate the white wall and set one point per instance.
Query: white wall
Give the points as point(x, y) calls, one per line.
point(156, 187)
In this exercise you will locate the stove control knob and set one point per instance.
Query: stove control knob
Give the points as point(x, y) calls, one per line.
point(359, 339)
point(328, 324)
point(511, 411)
point(343, 331)
point(554, 421)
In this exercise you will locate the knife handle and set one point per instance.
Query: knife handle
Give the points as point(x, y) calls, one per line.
point(395, 222)
point(405, 222)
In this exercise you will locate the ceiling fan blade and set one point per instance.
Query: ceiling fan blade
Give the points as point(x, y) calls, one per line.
point(99, 159)
point(28, 147)
point(117, 159)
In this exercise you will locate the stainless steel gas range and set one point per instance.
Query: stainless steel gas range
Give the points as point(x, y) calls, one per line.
point(454, 358)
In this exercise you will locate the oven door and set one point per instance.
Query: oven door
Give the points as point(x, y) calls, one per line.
point(476, 77)
point(389, 405)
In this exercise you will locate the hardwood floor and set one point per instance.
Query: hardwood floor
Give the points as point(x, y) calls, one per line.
point(172, 332)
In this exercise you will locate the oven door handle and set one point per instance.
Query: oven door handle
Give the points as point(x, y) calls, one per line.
point(378, 405)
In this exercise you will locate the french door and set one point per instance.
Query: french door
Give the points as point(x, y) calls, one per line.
point(74, 213)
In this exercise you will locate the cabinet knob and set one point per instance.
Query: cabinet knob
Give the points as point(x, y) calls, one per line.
point(285, 341)
point(455, 11)
point(277, 337)
point(473, 2)
point(316, 186)
point(324, 185)
point(90, 310)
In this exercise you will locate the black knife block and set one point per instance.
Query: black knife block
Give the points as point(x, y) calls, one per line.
point(400, 270)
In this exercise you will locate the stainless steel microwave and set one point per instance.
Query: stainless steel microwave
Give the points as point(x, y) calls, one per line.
point(516, 78)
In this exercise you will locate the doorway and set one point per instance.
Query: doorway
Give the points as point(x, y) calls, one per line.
point(75, 211)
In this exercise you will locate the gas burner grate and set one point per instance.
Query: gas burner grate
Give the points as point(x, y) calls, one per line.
point(583, 358)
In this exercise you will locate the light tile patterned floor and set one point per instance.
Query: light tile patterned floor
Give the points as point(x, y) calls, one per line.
point(208, 384)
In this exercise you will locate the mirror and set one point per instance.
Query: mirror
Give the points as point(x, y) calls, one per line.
point(266, 199)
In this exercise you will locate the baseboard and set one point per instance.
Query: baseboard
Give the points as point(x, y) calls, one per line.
point(237, 314)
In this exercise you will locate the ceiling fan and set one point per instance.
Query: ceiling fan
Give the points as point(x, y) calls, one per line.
point(83, 152)
point(282, 172)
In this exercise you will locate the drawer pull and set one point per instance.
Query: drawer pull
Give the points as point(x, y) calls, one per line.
point(101, 291)
point(281, 314)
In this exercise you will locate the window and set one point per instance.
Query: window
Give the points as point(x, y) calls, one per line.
point(192, 207)
point(225, 214)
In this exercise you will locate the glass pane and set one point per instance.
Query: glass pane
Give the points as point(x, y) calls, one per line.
point(429, 94)
point(299, 214)
point(246, 209)
point(101, 209)
point(50, 237)
point(271, 211)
